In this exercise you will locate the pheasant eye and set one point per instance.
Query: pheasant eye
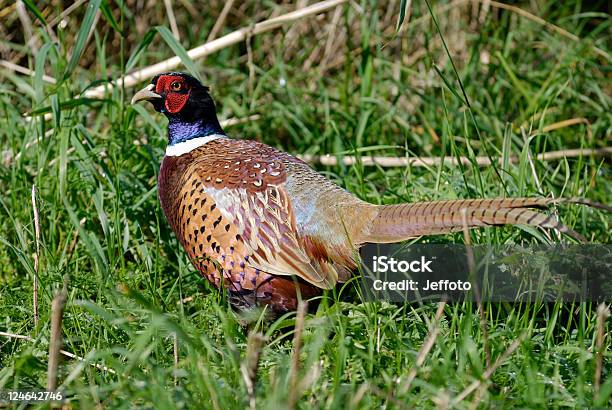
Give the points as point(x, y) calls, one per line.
point(176, 86)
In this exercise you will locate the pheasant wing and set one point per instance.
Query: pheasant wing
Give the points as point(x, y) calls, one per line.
point(247, 188)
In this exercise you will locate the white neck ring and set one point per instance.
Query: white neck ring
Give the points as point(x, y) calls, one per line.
point(176, 150)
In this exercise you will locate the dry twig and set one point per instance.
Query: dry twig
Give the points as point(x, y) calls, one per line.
point(23, 70)
point(482, 161)
point(66, 12)
point(36, 257)
point(603, 312)
point(55, 342)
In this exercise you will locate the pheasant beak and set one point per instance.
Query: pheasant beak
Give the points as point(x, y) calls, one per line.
point(146, 94)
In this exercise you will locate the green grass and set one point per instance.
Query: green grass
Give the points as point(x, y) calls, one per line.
point(131, 287)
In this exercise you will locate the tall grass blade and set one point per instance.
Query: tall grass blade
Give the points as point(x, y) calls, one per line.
point(179, 50)
point(82, 36)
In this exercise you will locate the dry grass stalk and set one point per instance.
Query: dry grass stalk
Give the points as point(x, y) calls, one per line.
point(484, 11)
point(26, 22)
point(357, 397)
point(294, 33)
point(489, 372)
point(36, 257)
point(16, 336)
point(55, 341)
point(255, 341)
point(295, 357)
point(220, 21)
point(603, 312)
point(187, 4)
point(23, 70)
point(331, 38)
point(62, 352)
point(232, 38)
point(424, 351)
point(311, 376)
point(477, 401)
point(172, 20)
point(567, 123)
point(66, 12)
point(482, 161)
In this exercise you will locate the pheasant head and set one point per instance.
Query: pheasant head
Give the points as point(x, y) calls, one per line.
point(186, 102)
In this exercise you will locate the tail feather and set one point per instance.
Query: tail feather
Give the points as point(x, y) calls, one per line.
point(395, 223)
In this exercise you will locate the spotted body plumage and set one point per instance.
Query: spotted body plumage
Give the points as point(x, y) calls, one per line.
point(270, 229)
point(228, 203)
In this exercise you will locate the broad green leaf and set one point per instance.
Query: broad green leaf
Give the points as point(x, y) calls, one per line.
point(79, 45)
point(144, 43)
point(32, 7)
point(39, 70)
point(108, 15)
point(56, 110)
point(404, 5)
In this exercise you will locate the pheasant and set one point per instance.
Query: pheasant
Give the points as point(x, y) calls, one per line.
point(268, 227)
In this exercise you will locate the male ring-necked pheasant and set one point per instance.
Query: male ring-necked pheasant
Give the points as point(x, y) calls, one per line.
point(265, 225)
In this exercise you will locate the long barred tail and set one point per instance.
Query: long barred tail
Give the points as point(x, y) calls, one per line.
point(395, 223)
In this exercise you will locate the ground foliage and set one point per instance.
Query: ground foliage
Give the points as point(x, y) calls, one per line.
point(347, 82)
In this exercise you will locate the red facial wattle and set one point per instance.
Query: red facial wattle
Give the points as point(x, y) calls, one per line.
point(175, 100)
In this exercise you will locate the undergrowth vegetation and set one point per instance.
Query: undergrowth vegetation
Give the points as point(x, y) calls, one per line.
point(478, 81)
